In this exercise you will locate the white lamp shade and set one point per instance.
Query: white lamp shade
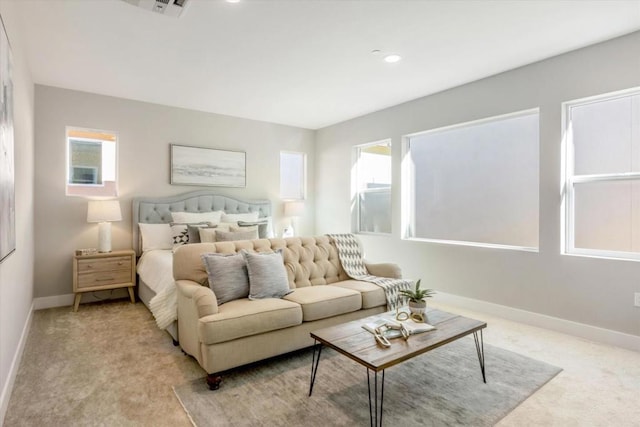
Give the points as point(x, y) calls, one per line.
point(104, 211)
point(294, 208)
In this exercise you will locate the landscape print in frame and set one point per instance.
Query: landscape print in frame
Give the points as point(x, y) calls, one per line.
point(7, 167)
point(207, 166)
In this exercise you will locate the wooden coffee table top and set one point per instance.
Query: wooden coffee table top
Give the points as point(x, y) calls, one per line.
point(360, 345)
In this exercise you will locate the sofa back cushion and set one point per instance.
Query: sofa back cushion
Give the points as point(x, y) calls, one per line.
point(309, 261)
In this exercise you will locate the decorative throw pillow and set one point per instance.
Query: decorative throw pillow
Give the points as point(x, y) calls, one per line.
point(227, 276)
point(263, 224)
point(208, 235)
point(248, 217)
point(230, 236)
point(196, 217)
point(155, 236)
point(193, 230)
point(267, 275)
point(179, 234)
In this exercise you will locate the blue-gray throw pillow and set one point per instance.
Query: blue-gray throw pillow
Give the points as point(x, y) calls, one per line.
point(262, 224)
point(267, 275)
point(227, 276)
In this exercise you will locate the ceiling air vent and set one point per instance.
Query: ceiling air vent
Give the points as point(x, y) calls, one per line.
point(163, 7)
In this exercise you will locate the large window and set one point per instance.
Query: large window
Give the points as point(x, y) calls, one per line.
point(602, 172)
point(474, 183)
point(373, 187)
point(91, 163)
point(292, 175)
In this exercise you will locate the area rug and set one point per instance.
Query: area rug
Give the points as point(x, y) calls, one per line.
point(440, 388)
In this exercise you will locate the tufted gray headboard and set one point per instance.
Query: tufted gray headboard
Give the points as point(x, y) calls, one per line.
point(157, 210)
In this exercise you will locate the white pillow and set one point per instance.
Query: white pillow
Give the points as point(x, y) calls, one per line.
point(155, 236)
point(247, 217)
point(194, 217)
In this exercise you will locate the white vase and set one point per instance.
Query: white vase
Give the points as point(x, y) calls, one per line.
point(418, 307)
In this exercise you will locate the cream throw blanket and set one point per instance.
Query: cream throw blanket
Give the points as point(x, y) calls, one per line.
point(164, 306)
point(353, 264)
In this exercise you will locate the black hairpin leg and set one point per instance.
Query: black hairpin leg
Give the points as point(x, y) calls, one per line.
point(314, 364)
point(480, 351)
point(375, 415)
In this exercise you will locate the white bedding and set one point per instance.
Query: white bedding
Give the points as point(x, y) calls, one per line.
point(155, 268)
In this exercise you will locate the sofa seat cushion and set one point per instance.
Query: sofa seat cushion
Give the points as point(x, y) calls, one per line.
point(372, 294)
point(322, 301)
point(244, 317)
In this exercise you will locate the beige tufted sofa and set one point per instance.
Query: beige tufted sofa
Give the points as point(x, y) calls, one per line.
point(244, 331)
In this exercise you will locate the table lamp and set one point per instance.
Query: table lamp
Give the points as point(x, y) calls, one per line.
point(292, 209)
point(104, 212)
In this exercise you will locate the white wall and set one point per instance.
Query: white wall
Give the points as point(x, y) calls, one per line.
point(16, 271)
point(590, 291)
point(145, 132)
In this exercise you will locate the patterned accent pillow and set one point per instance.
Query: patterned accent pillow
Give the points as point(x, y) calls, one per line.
point(179, 234)
point(228, 277)
point(267, 275)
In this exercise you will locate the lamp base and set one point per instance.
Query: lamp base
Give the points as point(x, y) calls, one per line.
point(104, 237)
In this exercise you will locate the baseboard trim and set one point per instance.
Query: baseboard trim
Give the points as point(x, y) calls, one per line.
point(53, 301)
point(593, 333)
point(13, 369)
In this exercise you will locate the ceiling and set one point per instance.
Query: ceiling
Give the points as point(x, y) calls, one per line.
point(305, 63)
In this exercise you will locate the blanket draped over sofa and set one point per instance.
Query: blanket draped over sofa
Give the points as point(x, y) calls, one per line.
point(353, 264)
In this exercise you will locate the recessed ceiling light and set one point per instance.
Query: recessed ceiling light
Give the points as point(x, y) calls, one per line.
point(233, 1)
point(392, 57)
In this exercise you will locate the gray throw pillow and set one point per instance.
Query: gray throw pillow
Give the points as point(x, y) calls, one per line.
point(267, 275)
point(230, 236)
point(263, 227)
point(227, 276)
point(194, 231)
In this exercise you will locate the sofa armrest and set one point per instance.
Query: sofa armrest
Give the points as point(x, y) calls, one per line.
point(202, 297)
point(194, 302)
point(384, 270)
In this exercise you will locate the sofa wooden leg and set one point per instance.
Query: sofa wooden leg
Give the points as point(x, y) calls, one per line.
point(214, 381)
point(175, 342)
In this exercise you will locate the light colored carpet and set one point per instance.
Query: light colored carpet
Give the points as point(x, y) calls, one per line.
point(133, 367)
point(441, 388)
point(106, 365)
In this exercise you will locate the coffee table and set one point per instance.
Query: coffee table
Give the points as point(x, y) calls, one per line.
point(357, 344)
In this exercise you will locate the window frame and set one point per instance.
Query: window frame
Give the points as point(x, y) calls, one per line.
point(569, 180)
point(303, 184)
point(356, 223)
point(408, 179)
point(89, 187)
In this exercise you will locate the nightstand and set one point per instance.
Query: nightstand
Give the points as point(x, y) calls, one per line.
point(102, 271)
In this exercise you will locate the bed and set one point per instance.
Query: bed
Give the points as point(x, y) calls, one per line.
point(156, 287)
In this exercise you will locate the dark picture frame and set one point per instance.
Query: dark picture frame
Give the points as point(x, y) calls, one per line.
point(202, 166)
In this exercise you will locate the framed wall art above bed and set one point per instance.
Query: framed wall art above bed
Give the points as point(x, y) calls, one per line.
point(207, 166)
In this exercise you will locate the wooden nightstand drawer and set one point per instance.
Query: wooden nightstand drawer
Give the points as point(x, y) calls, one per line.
point(104, 278)
point(104, 271)
point(104, 264)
